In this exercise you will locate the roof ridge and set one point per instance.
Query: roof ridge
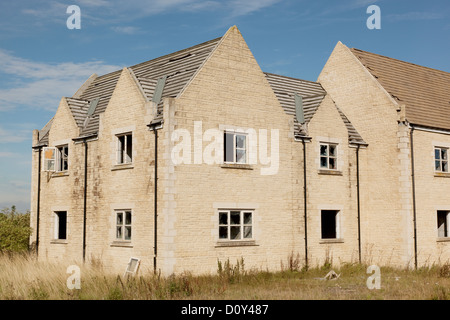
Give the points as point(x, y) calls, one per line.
point(280, 75)
point(402, 61)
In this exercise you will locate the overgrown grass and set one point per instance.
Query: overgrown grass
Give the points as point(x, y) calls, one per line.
point(22, 277)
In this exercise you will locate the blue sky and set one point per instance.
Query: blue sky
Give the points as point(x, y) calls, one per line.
point(41, 60)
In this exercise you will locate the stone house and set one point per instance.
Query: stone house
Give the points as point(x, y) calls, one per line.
point(199, 156)
point(402, 111)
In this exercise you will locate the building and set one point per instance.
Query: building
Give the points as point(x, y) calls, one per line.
point(199, 156)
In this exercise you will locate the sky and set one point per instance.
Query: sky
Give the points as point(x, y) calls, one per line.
point(43, 60)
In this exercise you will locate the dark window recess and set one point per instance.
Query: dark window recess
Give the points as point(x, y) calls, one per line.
point(442, 223)
point(62, 225)
point(329, 225)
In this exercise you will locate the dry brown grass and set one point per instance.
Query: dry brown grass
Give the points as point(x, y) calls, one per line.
point(22, 277)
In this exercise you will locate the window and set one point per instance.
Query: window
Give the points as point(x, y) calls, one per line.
point(330, 224)
point(235, 224)
point(123, 225)
point(328, 156)
point(235, 147)
point(440, 159)
point(443, 224)
point(61, 225)
point(63, 161)
point(56, 158)
point(124, 148)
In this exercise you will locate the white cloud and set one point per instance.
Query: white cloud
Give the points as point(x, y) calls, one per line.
point(242, 8)
point(41, 85)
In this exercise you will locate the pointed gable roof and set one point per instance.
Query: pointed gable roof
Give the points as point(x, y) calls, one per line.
point(312, 93)
point(425, 92)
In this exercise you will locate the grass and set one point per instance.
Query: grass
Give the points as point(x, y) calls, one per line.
point(24, 278)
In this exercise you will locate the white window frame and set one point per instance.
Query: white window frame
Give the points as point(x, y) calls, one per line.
point(440, 160)
point(123, 225)
point(235, 147)
point(122, 156)
point(242, 225)
point(327, 156)
point(443, 230)
point(53, 157)
point(337, 224)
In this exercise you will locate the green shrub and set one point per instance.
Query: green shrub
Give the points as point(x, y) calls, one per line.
point(15, 230)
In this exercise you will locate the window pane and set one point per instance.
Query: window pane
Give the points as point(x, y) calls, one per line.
point(442, 224)
point(223, 232)
point(323, 150)
point(437, 154)
point(235, 233)
point(240, 156)
point(240, 141)
point(128, 217)
point(127, 233)
point(444, 154)
point(444, 166)
point(247, 232)
point(235, 217)
point(121, 147)
point(247, 218)
point(129, 151)
point(119, 218)
point(223, 217)
point(332, 150)
point(119, 233)
point(323, 162)
point(229, 147)
point(332, 163)
point(437, 165)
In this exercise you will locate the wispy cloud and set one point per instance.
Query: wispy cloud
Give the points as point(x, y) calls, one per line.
point(415, 16)
point(126, 30)
point(41, 85)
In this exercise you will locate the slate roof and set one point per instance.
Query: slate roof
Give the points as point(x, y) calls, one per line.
point(312, 95)
point(179, 68)
point(424, 91)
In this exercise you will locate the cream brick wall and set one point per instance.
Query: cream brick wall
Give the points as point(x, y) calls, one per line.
point(432, 194)
point(60, 192)
point(331, 191)
point(229, 91)
point(386, 186)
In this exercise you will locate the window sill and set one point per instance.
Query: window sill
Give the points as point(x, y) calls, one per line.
point(58, 241)
point(237, 166)
point(60, 174)
point(235, 243)
point(123, 166)
point(330, 172)
point(443, 239)
point(442, 174)
point(339, 240)
point(123, 244)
